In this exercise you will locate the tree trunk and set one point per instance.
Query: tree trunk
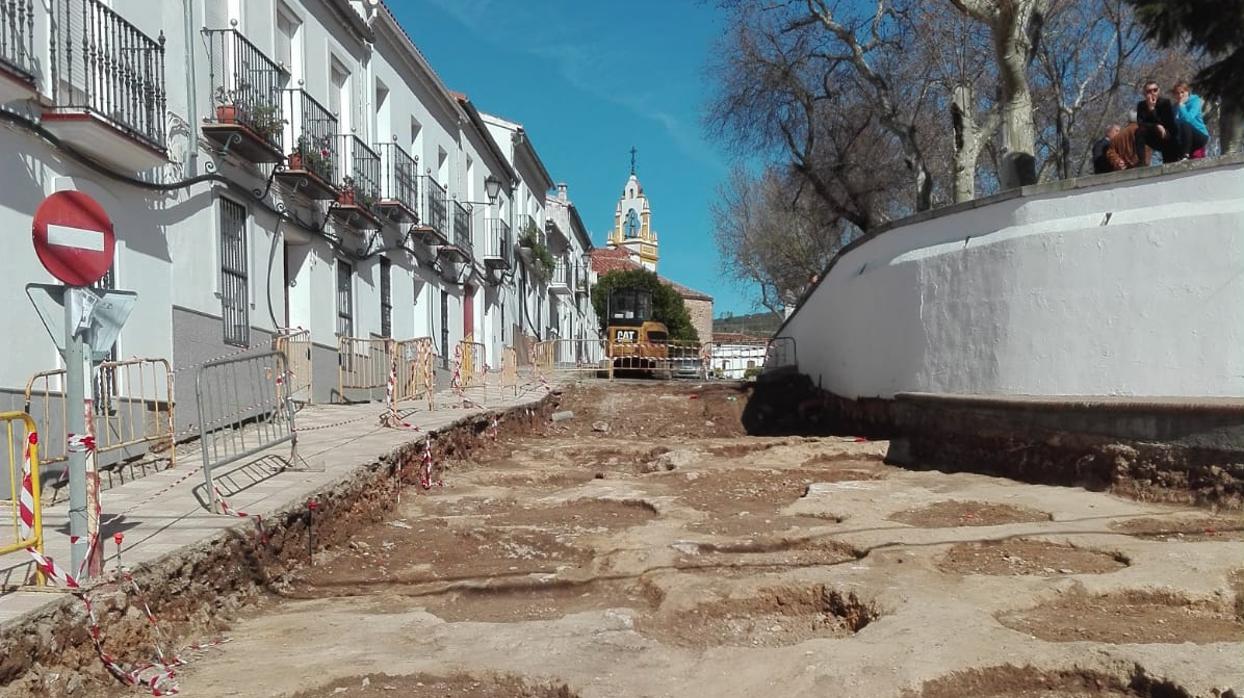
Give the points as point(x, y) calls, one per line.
point(1019, 130)
point(970, 138)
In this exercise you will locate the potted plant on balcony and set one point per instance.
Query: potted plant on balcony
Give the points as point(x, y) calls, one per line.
point(229, 103)
point(535, 253)
point(310, 155)
point(347, 197)
point(267, 121)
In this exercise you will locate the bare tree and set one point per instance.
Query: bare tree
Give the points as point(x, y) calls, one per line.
point(772, 236)
point(1016, 27)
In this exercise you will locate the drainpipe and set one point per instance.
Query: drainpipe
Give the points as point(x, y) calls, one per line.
point(192, 90)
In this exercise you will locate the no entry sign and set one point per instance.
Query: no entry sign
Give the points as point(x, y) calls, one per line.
point(73, 238)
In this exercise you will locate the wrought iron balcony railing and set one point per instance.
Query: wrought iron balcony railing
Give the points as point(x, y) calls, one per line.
point(499, 244)
point(435, 213)
point(314, 147)
point(106, 66)
point(562, 273)
point(246, 87)
point(462, 228)
point(527, 222)
point(17, 31)
point(399, 176)
point(360, 180)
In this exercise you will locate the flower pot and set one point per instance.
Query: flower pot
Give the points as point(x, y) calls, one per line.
point(346, 198)
point(227, 114)
point(295, 161)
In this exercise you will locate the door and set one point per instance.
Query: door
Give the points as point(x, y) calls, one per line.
point(468, 314)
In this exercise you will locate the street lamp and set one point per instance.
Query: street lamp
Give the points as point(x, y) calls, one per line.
point(492, 187)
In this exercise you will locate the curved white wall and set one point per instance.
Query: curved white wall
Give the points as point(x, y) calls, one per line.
point(1126, 284)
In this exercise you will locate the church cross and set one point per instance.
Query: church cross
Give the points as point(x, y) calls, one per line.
point(633, 152)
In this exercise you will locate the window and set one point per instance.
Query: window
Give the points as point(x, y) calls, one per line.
point(234, 291)
point(339, 94)
point(287, 51)
point(386, 297)
point(345, 299)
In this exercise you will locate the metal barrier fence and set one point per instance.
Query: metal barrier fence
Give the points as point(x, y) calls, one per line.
point(133, 407)
point(295, 344)
point(472, 366)
point(736, 360)
point(671, 359)
point(244, 408)
point(363, 364)
point(570, 355)
point(414, 370)
point(23, 496)
point(509, 368)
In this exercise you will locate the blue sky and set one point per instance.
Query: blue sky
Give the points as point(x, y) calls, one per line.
point(589, 80)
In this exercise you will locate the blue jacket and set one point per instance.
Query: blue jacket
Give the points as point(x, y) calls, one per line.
point(1190, 113)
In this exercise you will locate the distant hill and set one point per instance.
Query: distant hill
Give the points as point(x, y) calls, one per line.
point(756, 324)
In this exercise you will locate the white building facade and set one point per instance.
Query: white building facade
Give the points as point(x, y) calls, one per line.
point(268, 165)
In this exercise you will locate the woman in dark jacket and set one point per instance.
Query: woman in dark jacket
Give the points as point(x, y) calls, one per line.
point(1156, 116)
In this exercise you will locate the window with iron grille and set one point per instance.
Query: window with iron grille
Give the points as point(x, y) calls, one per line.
point(386, 297)
point(345, 299)
point(234, 283)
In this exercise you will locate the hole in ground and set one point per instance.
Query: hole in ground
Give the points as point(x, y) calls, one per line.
point(734, 490)
point(747, 523)
point(427, 686)
point(1140, 617)
point(774, 617)
point(953, 513)
point(1027, 682)
point(1196, 529)
point(602, 514)
point(1023, 556)
point(747, 557)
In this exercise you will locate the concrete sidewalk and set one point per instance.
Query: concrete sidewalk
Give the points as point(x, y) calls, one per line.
point(166, 511)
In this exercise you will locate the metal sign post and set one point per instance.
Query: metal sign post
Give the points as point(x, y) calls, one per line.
point(74, 240)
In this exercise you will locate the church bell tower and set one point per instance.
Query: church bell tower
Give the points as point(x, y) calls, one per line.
point(632, 223)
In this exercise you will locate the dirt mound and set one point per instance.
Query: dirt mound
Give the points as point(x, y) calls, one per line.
point(590, 514)
point(1027, 682)
point(771, 618)
point(435, 549)
point(1023, 556)
point(426, 686)
point(658, 411)
point(1195, 529)
point(525, 601)
point(1126, 618)
point(732, 490)
point(954, 513)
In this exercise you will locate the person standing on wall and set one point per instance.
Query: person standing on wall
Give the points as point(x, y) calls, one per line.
point(1101, 164)
point(1190, 120)
point(1155, 116)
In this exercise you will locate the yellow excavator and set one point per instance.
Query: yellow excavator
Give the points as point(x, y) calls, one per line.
point(635, 340)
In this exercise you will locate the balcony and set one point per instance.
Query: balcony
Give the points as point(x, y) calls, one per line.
point(17, 64)
point(313, 163)
point(557, 238)
point(247, 86)
point(359, 188)
point(107, 86)
point(463, 244)
point(562, 280)
point(433, 225)
point(498, 246)
point(582, 282)
point(527, 228)
point(399, 189)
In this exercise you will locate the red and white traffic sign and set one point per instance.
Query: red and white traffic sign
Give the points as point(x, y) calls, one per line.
point(74, 238)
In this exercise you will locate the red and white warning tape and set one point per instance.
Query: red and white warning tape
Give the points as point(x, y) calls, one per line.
point(230, 511)
point(492, 427)
point(80, 443)
point(425, 469)
point(26, 500)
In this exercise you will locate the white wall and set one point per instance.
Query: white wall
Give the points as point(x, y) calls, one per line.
point(1128, 284)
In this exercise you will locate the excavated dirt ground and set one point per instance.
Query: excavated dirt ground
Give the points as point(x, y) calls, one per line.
point(648, 547)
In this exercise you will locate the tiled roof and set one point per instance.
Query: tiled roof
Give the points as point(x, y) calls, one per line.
point(607, 259)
